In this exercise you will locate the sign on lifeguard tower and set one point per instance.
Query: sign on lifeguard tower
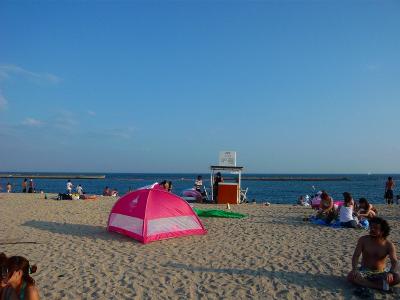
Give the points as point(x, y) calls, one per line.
point(227, 158)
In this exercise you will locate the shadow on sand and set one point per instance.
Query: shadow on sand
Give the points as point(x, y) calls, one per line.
point(80, 230)
point(331, 283)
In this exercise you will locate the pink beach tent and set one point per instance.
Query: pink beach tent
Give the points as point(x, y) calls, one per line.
point(150, 214)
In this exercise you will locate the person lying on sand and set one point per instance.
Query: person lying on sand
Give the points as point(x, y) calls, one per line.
point(375, 248)
point(19, 278)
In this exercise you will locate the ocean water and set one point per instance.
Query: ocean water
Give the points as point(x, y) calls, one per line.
point(286, 192)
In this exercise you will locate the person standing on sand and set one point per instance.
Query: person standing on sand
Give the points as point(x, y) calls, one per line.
point(389, 187)
point(198, 184)
point(9, 187)
point(79, 190)
point(217, 179)
point(24, 185)
point(375, 248)
point(31, 186)
point(69, 187)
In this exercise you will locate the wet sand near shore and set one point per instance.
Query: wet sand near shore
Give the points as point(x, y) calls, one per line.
point(271, 254)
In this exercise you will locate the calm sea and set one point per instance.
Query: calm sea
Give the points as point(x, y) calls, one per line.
point(368, 186)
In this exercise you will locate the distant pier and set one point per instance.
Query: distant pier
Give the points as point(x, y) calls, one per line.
point(53, 176)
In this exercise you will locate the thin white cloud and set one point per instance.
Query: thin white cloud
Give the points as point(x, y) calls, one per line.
point(32, 122)
point(115, 133)
point(65, 121)
point(125, 133)
point(91, 113)
point(372, 67)
point(3, 101)
point(7, 71)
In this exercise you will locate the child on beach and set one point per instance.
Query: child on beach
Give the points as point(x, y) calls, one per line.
point(79, 190)
point(19, 278)
point(6, 291)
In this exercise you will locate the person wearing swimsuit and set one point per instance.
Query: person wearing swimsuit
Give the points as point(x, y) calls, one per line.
point(374, 249)
point(389, 187)
point(6, 291)
point(19, 278)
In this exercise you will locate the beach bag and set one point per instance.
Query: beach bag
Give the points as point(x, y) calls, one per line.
point(62, 196)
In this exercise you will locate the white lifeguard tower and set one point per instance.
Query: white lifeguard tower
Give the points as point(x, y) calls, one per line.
point(227, 192)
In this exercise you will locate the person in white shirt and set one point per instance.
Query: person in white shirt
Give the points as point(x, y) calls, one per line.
point(346, 212)
point(79, 189)
point(69, 187)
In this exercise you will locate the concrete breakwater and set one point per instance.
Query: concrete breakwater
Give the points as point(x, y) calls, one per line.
point(295, 178)
point(53, 176)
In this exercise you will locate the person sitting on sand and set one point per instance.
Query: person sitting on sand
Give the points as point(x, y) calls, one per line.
point(327, 211)
point(114, 193)
point(375, 248)
point(366, 210)
point(346, 212)
point(106, 191)
point(19, 278)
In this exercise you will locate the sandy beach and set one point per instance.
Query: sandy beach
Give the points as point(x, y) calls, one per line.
point(271, 254)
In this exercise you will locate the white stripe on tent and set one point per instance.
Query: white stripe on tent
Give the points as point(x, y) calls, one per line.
point(128, 223)
point(172, 224)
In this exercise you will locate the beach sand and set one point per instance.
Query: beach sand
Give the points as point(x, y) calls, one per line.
point(271, 254)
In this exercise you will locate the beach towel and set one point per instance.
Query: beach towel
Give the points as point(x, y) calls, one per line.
point(336, 224)
point(217, 213)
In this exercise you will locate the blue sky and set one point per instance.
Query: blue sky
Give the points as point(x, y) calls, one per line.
point(163, 86)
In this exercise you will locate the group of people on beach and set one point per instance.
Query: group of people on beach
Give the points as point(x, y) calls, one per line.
point(16, 282)
point(350, 214)
point(374, 247)
point(110, 192)
point(26, 186)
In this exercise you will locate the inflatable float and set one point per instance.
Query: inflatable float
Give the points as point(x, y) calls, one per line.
point(315, 202)
point(191, 195)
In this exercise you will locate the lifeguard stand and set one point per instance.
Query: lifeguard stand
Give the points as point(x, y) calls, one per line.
point(228, 192)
